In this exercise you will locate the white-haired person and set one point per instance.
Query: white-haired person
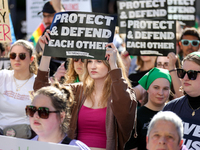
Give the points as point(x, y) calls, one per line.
point(165, 132)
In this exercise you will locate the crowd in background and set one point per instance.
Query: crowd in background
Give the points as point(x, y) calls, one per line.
point(102, 104)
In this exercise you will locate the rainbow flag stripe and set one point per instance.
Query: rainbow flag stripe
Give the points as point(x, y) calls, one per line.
point(37, 33)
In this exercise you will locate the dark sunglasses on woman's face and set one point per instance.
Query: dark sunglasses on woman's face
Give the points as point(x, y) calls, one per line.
point(192, 74)
point(22, 56)
point(194, 43)
point(76, 60)
point(43, 112)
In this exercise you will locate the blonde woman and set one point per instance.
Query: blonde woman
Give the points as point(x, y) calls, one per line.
point(16, 86)
point(74, 72)
point(104, 114)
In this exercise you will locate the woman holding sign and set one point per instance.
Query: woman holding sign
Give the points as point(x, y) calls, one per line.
point(104, 114)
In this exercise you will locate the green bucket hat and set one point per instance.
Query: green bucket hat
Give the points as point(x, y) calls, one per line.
point(152, 75)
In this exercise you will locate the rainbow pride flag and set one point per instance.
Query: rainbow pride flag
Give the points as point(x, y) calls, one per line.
point(36, 34)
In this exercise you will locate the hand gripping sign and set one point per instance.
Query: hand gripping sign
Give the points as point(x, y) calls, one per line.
point(80, 35)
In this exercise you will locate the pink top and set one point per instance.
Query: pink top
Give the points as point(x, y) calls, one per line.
point(92, 126)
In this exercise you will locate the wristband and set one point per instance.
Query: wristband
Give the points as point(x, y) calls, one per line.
point(172, 70)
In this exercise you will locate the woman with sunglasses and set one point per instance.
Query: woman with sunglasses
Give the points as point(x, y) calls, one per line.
point(49, 115)
point(157, 83)
point(188, 107)
point(16, 86)
point(104, 114)
point(75, 70)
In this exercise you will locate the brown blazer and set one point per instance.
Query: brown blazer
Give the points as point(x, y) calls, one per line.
point(121, 108)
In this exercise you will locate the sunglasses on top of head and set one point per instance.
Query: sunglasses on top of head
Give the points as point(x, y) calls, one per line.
point(194, 43)
point(192, 74)
point(22, 56)
point(43, 112)
point(76, 60)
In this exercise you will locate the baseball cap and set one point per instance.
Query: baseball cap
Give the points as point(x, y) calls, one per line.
point(47, 8)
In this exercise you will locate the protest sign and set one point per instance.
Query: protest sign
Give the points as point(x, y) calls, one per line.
point(183, 11)
point(33, 20)
point(80, 35)
point(140, 9)
point(4, 63)
point(22, 144)
point(5, 33)
point(77, 5)
point(151, 37)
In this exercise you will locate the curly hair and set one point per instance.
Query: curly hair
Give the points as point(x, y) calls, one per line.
point(62, 100)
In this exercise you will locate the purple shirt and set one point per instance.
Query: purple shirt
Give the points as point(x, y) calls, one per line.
point(73, 142)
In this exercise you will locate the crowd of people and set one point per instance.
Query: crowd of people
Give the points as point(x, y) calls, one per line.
point(121, 102)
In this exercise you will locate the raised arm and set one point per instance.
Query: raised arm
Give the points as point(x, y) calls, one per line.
point(123, 100)
point(42, 76)
point(175, 80)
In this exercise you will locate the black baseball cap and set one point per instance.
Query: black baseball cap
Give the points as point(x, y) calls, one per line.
point(47, 8)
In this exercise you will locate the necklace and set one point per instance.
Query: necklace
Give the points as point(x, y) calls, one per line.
point(19, 86)
point(193, 113)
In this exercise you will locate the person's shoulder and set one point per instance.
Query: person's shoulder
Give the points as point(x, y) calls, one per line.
point(80, 144)
point(6, 72)
point(174, 103)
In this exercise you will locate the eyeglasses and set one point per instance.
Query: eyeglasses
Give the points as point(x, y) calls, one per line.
point(43, 112)
point(76, 60)
point(165, 65)
point(194, 43)
point(22, 56)
point(192, 74)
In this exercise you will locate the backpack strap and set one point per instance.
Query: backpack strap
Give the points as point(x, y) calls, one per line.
point(66, 140)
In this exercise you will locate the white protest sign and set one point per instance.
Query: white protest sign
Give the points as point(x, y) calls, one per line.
point(5, 33)
point(77, 5)
point(32, 18)
point(34, 6)
point(22, 144)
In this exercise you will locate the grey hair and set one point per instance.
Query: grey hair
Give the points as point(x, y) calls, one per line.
point(167, 116)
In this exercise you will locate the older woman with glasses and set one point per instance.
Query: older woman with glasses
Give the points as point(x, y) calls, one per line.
point(188, 107)
point(49, 115)
point(16, 85)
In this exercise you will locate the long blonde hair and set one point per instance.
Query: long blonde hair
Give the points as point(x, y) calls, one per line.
point(88, 82)
point(71, 74)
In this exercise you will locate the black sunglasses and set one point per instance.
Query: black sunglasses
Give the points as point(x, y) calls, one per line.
point(76, 60)
point(192, 74)
point(194, 43)
point(43, 112)
point(22, 56)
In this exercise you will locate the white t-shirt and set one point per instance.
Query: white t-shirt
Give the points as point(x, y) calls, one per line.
point(12, 102)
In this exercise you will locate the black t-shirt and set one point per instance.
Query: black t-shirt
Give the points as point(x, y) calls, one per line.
point(144, 116)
